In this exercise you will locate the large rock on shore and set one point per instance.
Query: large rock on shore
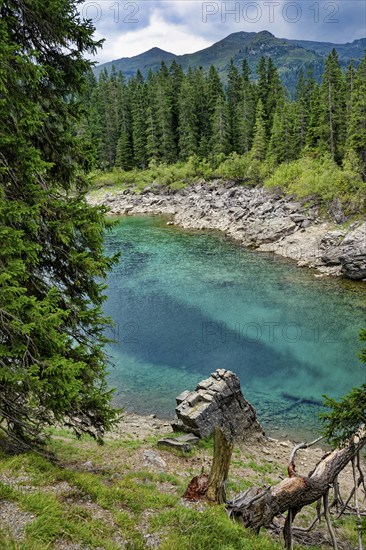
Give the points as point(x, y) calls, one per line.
point(270, 230)
point(346, 249)
point(353, 257)
point(217, 401)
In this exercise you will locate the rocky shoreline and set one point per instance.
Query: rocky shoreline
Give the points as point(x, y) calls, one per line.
point(256, 217)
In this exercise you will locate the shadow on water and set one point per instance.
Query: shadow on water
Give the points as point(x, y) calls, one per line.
point(176, 299)
point(170, 332)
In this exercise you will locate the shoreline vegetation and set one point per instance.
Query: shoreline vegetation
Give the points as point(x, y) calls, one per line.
point(314, 178)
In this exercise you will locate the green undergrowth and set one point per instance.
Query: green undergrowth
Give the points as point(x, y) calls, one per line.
point(323, 178)
point(105, 497)
point(175, 176)
point(318, 177)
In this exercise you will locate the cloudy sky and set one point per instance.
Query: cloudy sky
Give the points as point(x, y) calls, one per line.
point(180, 26)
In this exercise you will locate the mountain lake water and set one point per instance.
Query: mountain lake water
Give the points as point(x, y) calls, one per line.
point(186, 303)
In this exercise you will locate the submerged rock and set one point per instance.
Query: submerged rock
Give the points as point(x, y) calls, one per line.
point(217, 401)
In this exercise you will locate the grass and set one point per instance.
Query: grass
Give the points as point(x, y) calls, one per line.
point(185, 528)
point(121, 502)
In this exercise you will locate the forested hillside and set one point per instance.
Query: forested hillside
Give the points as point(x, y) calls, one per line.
point(289, 56)
point(243, 129)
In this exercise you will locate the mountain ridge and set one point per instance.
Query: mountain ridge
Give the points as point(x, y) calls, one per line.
point(289, 55)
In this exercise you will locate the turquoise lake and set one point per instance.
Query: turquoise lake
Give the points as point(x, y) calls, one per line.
point(186, 303)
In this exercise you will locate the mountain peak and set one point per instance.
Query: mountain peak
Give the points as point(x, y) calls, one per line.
point(155, 53)
point(266, 33)
point(155, 50)
point(289, 56)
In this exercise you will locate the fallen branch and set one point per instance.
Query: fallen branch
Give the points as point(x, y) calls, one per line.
point(257, 507)
point(291, 467)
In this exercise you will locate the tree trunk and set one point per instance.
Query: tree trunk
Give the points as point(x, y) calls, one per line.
point(257, 507)
point(213, 487)
point(223, 448)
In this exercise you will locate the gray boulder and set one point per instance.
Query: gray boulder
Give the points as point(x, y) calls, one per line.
point(336, 211)
point(353, 256)
point(183, 442)
point(217, 401)
point(269, 231)
point(330, 247)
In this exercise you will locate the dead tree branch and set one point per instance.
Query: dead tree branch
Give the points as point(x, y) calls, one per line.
point(257, 507)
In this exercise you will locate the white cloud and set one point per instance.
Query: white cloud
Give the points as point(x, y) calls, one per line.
point(180, 26)
point(172, 37)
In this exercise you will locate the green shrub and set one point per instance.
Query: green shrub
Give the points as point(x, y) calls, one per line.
point(322, 177)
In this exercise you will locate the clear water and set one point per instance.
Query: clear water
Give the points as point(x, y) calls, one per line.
point(186, 303)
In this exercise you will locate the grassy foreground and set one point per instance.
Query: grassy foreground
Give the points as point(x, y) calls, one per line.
point(90, 497)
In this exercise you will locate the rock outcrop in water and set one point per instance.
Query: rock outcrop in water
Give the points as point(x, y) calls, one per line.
point(217, 401)
point(258, 218)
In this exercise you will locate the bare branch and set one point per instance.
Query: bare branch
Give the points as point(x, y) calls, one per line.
point(327, 519)
point(359, 525)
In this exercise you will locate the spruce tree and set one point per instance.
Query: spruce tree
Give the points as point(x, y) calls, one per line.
point(112, 116)
point(275, 93)
point(188, 129)
point(302, 109)
point(356, 138)
point(328, 128)
point(220, 139)
point(262, 80)
point(269, 90)
point(152, 138)
point(200, 102)
point(245, 114)
point(137, 90)
point(350, 85)
point(282, 144)
point(52, 261)
point(152, 132)
point(176, 76)
point(245, 71)
point(315, 131)
point(124, 157)
point(161, 101)
point(214, 90)
point(259, 146)
point(99, 121)
point(124, 154)
point(233, 94)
